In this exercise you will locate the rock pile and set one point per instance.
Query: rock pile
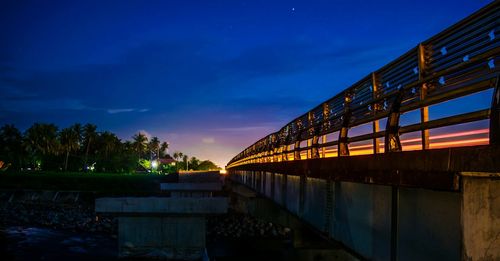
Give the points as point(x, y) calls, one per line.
point(240, 226)
point(74, 217)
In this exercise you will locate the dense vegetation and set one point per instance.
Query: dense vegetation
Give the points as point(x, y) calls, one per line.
point(82, 148)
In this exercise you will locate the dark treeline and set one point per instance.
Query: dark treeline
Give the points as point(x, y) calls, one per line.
point(83, 148)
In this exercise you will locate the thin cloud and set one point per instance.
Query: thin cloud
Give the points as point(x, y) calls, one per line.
point(208, 140)
point(241, 129)
point(114, 111)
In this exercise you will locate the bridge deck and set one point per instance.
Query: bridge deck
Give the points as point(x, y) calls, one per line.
point(433, 169)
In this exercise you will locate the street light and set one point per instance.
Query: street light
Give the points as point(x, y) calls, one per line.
point(154, 164)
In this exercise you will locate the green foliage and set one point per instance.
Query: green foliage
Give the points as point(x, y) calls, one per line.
point(11, 151)
point(76, 148)
point(146, 164)
point(207, 165)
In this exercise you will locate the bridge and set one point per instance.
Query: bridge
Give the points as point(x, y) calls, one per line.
point(381, 169)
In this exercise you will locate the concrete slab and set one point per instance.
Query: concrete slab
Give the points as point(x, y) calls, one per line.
point(213, 186)
point(159, 205)
point(162, 237)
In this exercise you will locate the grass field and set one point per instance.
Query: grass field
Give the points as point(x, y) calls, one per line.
point(101, 183)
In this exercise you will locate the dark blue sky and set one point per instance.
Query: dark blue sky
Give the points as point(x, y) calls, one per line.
point(211, 77)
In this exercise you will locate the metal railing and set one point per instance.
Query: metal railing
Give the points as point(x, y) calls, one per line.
point(461, 60)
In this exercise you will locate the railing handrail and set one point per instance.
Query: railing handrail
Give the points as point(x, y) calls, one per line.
point(417, 79)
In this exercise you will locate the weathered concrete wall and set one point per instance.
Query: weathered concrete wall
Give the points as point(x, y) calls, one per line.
point(162, 237)
point(292, 194)
point(278, 188)
point(429, 221)
point(481, 216)
point(429, 225)
point(362, 218)
point(267, 190)
point(315, 203)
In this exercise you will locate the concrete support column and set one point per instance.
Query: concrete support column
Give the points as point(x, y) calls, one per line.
point(273, 184)
point(264, 182)
point(302, 194)
point(283, 190)
point(394, 223)
point(480, 216)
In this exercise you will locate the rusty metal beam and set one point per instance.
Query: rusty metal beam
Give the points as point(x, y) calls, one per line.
point(324, 127)
point(375, 108)
point(424, 111)
point(343, 144)
point(392, 141)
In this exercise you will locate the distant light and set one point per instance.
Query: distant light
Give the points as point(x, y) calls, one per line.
point(223, 171)
point(154, 164)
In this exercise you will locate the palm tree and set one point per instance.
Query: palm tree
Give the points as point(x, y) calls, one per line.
point(194, 163)
point(10, 145)
point(90, 134)
point(41, 140)
point(77, 128)
point(154, 146)
point(69, 139)
point(185, 159)
point(164, 148)
point(109, 142)
point(140, 141)
point(176, 156)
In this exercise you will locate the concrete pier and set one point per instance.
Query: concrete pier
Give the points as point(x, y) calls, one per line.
point(191, 189)
point(481, 216)
point(167, 228)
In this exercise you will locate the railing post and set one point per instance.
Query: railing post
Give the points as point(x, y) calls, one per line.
point(310, 131)
point(424, 111)
point(286, 147)
point(495, 115)
point(325, 127)
point(343, 148)
point(296, 149)
point(315, 138)
point(375, 107)
point(392, 141)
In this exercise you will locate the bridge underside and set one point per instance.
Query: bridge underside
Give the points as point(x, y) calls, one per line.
point(432, 169)
point(417, 205)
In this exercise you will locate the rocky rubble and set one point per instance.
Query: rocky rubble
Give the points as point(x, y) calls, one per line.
point(80, 217)
point(73, 217)
point(239, 226)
